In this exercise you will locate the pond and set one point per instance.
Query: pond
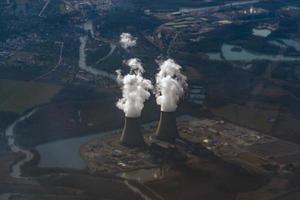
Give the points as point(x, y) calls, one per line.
point(261, 32)
point(144, 175)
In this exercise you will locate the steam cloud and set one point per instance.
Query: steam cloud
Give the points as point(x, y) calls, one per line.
point(135, 89)
point(170, 85)
point(127, 40)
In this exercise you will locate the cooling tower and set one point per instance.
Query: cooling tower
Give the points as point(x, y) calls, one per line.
point(167, 128)
point(132, 135)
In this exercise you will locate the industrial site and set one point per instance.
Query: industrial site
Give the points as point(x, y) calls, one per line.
point(149, 99)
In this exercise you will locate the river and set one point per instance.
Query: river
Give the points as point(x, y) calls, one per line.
point(63, 153)
point(88, 26)
point(54, 154)
point(16, 171)
point(292, 43)
point(82, 62)
point(226, 5)
point(59, 154)
point(9, 132)
point(228, 53)
point(68, 148)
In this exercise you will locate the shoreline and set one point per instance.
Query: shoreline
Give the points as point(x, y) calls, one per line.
point(32, 169)
point(175, 172)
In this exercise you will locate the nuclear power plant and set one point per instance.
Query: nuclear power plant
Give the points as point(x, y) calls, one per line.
point(131, 134)
point(135, 91)
point(170, 87)
point(167, 128)
point(170, 84)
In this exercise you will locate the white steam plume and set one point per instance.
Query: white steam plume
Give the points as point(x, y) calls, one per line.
point(170, 85)
point(127, 40)
point(135, 89)
point(135, 65)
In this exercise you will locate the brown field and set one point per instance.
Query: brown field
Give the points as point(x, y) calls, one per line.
point(193, 74)
point(208, 181)
point(19, 96)
point(254, 118)
point(287, 127)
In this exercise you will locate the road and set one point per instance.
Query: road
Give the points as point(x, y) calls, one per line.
point(44, 7)
point(57, 65)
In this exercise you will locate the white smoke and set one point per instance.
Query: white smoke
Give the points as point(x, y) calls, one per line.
point(135, 65)
point(127, 40)
point(135, 89)
point(170, 85)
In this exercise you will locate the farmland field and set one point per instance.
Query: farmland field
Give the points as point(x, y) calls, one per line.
point(18, 96)
point(258, 119)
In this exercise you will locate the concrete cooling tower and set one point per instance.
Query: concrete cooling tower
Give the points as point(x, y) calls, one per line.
point(167, 127)
point(132, 135)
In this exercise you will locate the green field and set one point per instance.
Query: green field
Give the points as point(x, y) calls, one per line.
point(18, 96)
